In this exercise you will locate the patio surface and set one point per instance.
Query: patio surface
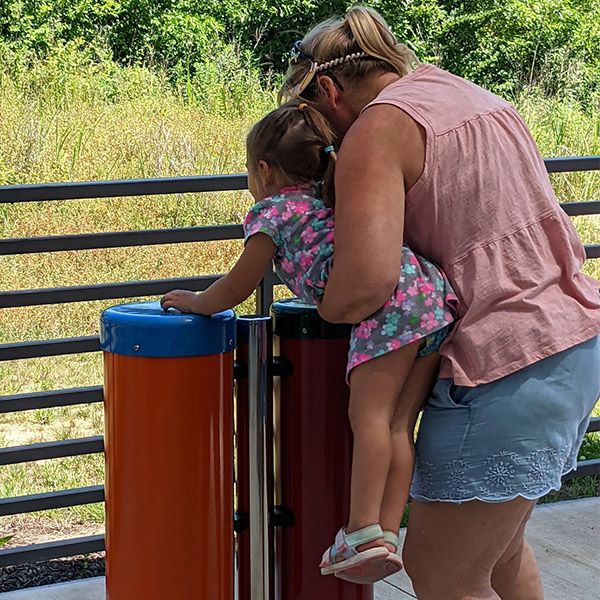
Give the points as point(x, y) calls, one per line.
point(565, 538)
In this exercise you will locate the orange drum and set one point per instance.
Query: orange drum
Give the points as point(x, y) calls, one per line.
point(169, 453)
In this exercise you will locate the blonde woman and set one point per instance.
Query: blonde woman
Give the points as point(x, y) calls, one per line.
point(433, 161)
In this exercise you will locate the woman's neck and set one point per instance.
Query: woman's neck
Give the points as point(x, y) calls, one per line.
point(371, 88)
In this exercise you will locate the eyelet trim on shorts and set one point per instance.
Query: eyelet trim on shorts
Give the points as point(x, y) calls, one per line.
point(499, 478)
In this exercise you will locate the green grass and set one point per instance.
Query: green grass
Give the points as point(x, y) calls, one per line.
point(66, 120)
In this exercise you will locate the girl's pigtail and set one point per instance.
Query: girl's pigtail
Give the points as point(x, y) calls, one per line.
point(327, 153)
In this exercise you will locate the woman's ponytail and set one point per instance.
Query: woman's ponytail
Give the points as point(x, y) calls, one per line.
point(373, 36)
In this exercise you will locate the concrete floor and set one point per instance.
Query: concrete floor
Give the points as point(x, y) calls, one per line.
point(86, 589)
point(564, 536)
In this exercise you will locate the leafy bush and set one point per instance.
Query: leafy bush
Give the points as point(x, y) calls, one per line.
point(504, 45)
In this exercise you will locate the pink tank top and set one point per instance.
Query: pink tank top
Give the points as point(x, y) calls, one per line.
point(484, 210)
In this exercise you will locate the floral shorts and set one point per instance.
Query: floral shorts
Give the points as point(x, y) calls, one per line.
point(512, 437)
point(421, 307)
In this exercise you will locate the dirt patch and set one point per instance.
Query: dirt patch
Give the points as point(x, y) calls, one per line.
point(24, 530)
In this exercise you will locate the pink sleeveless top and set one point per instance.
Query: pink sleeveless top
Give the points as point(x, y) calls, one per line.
point(484, 210)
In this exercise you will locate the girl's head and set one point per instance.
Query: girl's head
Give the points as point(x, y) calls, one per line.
point(292, 145)
point(338, 56)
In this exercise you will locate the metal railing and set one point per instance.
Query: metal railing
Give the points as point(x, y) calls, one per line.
point(76, 345)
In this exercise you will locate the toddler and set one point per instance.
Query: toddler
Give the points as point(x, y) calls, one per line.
point(393, 358)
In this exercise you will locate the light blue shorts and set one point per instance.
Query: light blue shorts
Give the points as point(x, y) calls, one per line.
point(513, 437)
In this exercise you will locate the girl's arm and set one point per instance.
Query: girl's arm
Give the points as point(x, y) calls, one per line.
point(381, 151)
point(231, 289)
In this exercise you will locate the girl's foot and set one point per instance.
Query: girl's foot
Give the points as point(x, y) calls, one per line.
point(361, 556)
point(392, 565)
point(388, 540)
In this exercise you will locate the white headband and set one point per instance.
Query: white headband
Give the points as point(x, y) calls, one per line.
point(339, 61)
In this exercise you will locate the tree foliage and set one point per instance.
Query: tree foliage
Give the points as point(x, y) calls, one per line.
point(502, 44)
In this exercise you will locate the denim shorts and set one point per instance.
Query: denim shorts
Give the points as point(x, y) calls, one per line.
point(512, 437)
point(433, 341)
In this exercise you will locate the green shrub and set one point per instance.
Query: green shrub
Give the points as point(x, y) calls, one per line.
point(505, 45)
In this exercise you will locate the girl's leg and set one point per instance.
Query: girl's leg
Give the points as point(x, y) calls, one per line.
point(412, 397)
point(374, 390)
point(470, 546)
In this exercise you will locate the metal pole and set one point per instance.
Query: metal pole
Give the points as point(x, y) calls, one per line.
point(257, 331)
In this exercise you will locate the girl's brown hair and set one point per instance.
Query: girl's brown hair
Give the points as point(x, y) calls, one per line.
point(296, 139)
point(354, 47)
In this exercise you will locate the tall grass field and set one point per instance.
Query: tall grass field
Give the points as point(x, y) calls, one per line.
point(68, 121)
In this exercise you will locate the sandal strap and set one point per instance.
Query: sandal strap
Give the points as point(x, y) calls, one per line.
point(391, 538)
point(362, 536)
point(346, 543)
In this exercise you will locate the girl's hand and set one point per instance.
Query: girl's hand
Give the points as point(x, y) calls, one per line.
point(183, 300)
point(231, 289)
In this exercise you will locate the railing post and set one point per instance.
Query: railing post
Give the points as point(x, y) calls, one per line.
point(264, 294)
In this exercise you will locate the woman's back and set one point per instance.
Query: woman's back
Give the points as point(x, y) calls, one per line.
point(484, 210)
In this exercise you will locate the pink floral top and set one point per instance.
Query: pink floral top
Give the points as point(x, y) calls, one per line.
point(422, 307)
point(301, 226)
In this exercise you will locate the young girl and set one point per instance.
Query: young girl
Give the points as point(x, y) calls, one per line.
point(393, 357)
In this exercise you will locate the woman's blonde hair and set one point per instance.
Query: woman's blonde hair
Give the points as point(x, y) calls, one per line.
point(354, 47)
point(296, 139)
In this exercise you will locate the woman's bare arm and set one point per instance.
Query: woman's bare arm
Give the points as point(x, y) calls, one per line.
point(380, 153)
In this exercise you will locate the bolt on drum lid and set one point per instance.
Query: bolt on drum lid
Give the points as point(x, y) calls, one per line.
point(145, 329)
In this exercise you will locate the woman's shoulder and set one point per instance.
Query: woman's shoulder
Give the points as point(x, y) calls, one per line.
point(438, 100)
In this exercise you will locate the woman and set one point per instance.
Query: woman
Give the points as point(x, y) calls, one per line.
point(436, 162)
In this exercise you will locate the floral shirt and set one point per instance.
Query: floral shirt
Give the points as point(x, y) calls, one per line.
point(301, 226)
point(421, 307)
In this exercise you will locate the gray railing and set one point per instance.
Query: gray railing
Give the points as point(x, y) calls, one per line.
point(76, 345)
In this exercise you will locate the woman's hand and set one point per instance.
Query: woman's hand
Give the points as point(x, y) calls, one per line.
point(183, 300)
point(382, 153)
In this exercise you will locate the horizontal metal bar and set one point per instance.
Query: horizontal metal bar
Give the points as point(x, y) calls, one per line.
point(124, 239)
point(584, 468)
point(572, 163)
point(206, 183)
point(52, 399)
point(59, 347)
point(37, 349)
point(123, 187)
point(592, 251)
point(45, 450)
point(594, 424)
point(575, 209)
point(50, 500)
point(48, 550)
point(120, 239)
point(102, 291)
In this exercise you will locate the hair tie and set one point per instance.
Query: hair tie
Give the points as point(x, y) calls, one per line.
point(297, 52)
point(302, 106)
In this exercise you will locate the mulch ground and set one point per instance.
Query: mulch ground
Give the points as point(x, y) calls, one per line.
point(23, 530)
point(51, 571)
